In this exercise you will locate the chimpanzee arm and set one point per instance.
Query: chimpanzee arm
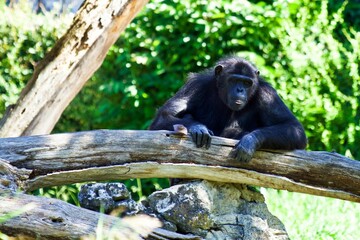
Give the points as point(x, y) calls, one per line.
point(280, 129)
point(174, 111)
point(179, 110)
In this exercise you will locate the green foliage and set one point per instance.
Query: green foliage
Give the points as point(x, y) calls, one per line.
point(321, 75)
point(25, 38)
point(66, 193)
point(141, 188)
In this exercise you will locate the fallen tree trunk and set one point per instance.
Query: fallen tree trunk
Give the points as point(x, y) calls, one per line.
point(110, 155)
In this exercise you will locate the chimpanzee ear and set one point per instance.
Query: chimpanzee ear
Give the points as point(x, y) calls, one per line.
point(218, 70)
point(257, 72)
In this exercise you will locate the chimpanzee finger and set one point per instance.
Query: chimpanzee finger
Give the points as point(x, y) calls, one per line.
point(242, 156)
point(199, 140)
point(246, 158)
point(239, 156)
point(194, 137)
point(207, 140)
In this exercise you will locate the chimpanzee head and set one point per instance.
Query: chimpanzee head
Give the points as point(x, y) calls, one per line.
point(237, 81)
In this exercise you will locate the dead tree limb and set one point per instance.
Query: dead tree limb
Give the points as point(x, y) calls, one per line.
point(65, 69)
point(46, 218)
point(108, 155)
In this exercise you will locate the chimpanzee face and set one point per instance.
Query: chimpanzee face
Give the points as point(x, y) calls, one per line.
point(236, 86)
point(237, 90)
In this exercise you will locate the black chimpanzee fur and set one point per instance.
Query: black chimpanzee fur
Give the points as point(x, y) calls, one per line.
point(232, 100)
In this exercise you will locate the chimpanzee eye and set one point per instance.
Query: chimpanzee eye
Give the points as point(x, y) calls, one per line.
point(248, 83)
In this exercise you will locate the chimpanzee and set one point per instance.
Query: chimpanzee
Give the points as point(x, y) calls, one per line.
point(233, 101)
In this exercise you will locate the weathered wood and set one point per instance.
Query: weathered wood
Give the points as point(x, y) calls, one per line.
point(65, 69)
point(107, 155)
point(162, 234)
point(33, 217)
point(12, 178)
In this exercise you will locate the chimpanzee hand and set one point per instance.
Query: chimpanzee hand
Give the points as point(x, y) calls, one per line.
point(201, 135)
point(246, 147)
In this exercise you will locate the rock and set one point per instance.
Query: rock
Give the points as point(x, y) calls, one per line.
point(207, 209)
point(108, 196)
point(129, 207)
point(217, 211)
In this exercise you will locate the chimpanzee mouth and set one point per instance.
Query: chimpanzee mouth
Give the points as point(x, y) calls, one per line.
point(239, 102)
point(236, 104)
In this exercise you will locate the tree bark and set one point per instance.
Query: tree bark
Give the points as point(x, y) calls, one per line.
point(109, 155)
point(65, 69)
point(46, 218)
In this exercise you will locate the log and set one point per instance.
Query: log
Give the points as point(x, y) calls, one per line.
point(66, 68)
point(122, 154)
point(45, 218)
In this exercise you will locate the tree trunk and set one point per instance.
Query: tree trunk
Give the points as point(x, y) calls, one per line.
point(109, 155)
point(65, 69)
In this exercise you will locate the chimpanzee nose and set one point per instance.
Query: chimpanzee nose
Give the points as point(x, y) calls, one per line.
point(239, 90)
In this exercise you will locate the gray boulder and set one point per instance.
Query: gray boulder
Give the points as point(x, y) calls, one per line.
point(108, 197)
point(217, 211)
